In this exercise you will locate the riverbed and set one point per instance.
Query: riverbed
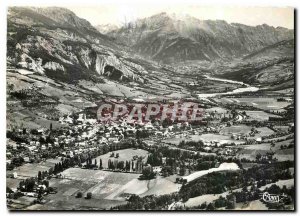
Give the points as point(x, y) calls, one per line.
point(248, 88)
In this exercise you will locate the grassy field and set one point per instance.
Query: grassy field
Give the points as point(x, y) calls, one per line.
point(282, 137)
point(285, 154)
point(250, 151)
point(265, 103)
point(108, 189)
point(30, 120)
point(258, 115)
point(79, 181)
point(236, 129)
point(217, 110)
point(111, 88)
point(208, 198)
point(31, 170)
point(223, 139)
point(124, 154)
point(12, 183)
point(280, 183)
point(253, 205)
point(112, 185)
point(173, 140)
point(244, 130)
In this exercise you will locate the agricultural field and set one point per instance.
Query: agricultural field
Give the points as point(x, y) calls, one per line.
point(107, 188)
point(250, 151)
point(259, 115)
point(31, 170)
point(282, 138)
point(174, 140)
point(210, 137)
point(12, 183)
point(124, 154)
point(265, 103)
point(252, 205)
point(236, 129)
point(30, 120)
point(111, 88)
point(288, 183)
point(206, 138)
point(285, 154)
point(195, 201)
point(113, 185)
point(282, 128)
point(217, 110)
point(245, 130)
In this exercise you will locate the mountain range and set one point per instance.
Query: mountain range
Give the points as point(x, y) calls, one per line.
point(171, 38)
point(58, 63)
point(54, 41)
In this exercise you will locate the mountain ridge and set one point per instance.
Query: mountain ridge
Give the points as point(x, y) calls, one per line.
point(170, 39)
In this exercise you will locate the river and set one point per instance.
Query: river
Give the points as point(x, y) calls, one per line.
point(248, 88)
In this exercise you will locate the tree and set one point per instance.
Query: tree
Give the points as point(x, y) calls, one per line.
point(79, 195)
point(39, 175)
point(51, 170)
point(109, 164)
point(8, 190)
point(51, 126)
point(89, 195)
point(211, 206)
point(273, 143)
point(231, 201)
point(100, 164)
point(182, 171)
point(147, 173)
point(258, 157)
point(221, 202)
point(203, 205)
point(127, 166)
point(46, 183)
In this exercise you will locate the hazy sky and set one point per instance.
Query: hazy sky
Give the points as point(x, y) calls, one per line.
point(117, 14)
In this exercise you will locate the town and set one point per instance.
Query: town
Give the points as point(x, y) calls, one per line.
point(147, 150)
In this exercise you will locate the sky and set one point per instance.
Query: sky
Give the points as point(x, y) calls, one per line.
point(118, 14)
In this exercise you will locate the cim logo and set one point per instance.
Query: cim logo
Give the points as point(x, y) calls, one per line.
point(272, 198)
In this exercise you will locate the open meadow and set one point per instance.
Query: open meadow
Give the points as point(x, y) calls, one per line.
point(124, 154)
point(107, 188)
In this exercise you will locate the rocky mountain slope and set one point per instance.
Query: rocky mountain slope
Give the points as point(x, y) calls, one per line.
point(58, 63)
point(169, 38)
point(273, 65)
point(55, 42)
